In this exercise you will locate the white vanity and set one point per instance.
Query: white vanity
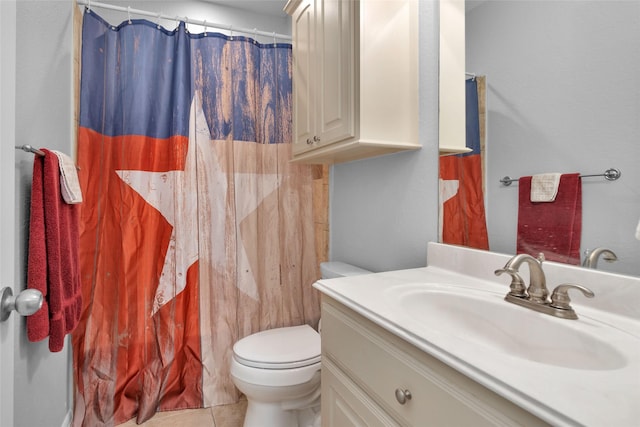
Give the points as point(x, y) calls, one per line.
point(440, 346)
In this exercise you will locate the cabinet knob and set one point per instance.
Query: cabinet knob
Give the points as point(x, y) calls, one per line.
point(316, 138)
point(402, 396)
point(309, 141)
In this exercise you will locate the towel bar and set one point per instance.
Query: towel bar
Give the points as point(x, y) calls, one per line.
point(29, 149)
point(610, 174)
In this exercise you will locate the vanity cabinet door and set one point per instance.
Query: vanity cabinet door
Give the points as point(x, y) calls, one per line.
point(380, 366)
point(344, 404)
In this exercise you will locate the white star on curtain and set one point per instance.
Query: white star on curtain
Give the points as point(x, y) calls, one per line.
point(447, 189)
point(175, 195)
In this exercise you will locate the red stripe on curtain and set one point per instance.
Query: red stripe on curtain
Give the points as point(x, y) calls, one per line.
point(155, 358)
point(464, 221)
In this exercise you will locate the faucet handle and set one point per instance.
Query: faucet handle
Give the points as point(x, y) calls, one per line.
point(517, 286)
point(560, 295)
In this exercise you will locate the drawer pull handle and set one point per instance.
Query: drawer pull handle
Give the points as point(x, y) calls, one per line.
point(402, 396)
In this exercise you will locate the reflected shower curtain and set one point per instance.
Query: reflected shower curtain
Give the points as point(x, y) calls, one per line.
point(196, 230)
point(462, 215)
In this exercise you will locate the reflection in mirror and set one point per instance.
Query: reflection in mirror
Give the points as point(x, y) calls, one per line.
point(562, 95)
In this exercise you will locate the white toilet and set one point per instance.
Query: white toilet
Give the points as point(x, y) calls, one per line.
point(278, 370)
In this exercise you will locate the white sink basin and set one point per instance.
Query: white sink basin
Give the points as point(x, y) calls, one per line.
point(485, 320)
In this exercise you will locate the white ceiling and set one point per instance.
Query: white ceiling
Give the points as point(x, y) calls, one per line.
point(274, 7)
point(263, 7)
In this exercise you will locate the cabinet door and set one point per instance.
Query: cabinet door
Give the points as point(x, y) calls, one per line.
point(344, 404)
point(304, 76)
point(336, 53)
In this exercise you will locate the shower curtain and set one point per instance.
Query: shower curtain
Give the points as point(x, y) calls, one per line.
point(196, 229)
point(462, 215)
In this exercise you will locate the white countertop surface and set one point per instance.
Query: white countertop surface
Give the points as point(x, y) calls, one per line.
point(558, 393)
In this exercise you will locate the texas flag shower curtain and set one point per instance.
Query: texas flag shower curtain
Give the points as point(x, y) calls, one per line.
point(462, 214)
point(196, 229)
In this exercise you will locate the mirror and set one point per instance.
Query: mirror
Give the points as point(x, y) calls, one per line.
point(562, 95)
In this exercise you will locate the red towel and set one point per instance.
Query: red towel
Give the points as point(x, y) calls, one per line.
point(553, 228)
point(53, 267)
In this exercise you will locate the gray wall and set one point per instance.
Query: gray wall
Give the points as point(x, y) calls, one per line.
point(43, 119)
point(563, 89)
point(384, 210)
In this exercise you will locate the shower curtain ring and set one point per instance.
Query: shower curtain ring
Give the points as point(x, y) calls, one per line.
point(89, 5)
point(230, 32)
point(129, 13)
point(205, 27)
point(158, 21)
point(274, 39)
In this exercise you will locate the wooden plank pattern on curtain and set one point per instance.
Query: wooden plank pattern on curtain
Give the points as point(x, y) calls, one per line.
point(196, 229)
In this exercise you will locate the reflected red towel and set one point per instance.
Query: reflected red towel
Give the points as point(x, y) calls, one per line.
point(553, 228)
point(53, 256)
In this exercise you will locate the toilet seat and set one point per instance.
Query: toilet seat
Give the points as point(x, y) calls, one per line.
point(281, 348)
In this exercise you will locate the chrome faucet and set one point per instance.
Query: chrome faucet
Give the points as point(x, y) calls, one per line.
point(535, 297)
point(591, 258)
point(537, 290)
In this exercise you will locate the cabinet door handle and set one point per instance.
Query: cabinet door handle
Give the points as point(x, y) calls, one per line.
point(402, 396)
point(316, 138)
point(309, 141)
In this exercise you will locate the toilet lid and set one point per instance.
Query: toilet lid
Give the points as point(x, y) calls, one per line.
point(280, 348)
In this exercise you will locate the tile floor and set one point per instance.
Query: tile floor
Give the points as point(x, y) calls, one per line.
point(219, 416)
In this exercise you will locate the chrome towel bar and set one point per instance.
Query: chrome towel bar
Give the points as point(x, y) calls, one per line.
point(610, 174)
point(29, 149)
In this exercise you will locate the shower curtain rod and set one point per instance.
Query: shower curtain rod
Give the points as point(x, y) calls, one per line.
point(204, 23)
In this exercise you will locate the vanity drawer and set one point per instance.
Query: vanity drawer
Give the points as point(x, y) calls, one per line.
point(381, 363)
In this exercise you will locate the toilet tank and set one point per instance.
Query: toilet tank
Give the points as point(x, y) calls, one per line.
point(333, 269)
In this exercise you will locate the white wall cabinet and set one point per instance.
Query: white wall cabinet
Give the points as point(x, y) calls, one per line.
point(365, 366)
point(355, 78)
point(452, 103)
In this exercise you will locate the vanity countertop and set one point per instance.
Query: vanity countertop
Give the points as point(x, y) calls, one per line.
point(562, 392)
